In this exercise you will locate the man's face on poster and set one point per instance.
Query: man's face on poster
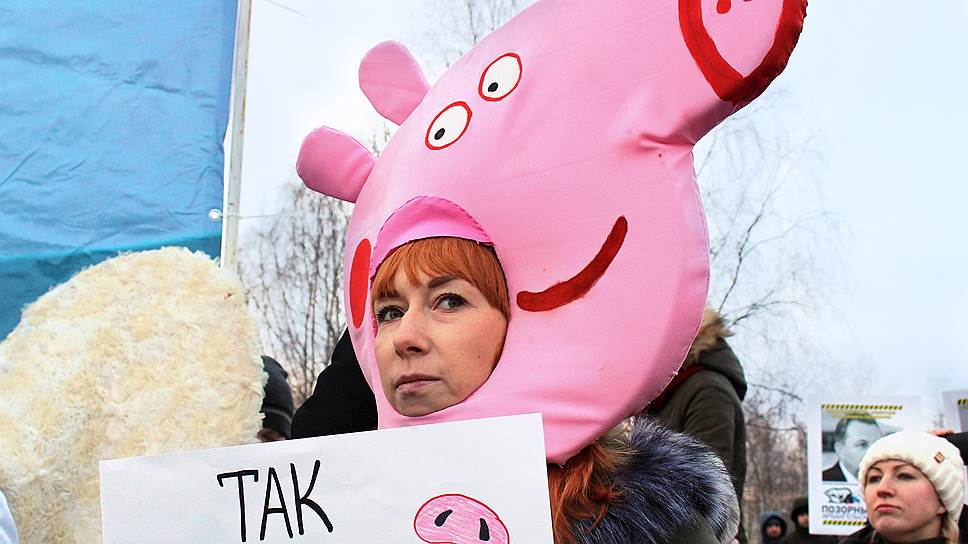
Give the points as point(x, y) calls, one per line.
point(858, 436)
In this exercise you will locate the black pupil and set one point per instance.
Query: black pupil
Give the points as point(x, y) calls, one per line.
point(439, 134)
point(492, 87)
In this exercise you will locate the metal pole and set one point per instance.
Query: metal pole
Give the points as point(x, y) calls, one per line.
point(240, 72)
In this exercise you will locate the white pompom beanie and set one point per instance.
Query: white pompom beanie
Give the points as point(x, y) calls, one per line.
point(938, 459)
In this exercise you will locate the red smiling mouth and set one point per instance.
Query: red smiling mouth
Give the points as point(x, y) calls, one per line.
point(572, 289)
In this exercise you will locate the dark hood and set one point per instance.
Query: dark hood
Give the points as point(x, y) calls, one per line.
point(767, 516)
point(721, 358)
point(799, 506)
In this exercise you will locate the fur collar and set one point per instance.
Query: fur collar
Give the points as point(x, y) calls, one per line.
point(711, 329)
point(670, 482)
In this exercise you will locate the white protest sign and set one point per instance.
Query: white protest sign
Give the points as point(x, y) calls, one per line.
point(470, 481)
point(839, 431)
point(956, 409)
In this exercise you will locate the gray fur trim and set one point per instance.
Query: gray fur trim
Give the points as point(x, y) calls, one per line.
point(671, 481)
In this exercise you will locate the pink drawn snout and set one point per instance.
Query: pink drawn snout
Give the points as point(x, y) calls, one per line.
point(458, 519)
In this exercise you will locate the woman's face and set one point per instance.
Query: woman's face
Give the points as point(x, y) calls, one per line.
point(901, 502)
point(436, 342)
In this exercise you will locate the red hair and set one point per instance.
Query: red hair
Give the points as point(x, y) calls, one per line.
point(469, 260)
point(582, 488)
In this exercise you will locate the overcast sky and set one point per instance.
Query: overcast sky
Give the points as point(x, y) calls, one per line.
point(882, 84)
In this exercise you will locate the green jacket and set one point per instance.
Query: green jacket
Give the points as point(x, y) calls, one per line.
point(706, 406)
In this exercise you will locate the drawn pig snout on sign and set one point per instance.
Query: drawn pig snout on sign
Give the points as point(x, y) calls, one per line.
point(459, 519)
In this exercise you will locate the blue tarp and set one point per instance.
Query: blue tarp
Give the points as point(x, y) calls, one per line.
point(112, 116)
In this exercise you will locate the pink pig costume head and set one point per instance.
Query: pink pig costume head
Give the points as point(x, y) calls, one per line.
point(564, 139)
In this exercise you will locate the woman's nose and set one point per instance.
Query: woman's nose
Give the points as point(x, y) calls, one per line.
point(410, 337)
point(885, 488)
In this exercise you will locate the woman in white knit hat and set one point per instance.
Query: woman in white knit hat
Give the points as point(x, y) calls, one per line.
point(913, 485)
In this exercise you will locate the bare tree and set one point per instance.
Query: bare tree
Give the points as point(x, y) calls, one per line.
point(455, 27)
point(776, 450)
point(772, 244)
point(771, 252)
point(292, 271)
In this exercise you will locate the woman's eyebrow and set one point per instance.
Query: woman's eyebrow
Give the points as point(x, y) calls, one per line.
point(440, 280)
point(392, 293)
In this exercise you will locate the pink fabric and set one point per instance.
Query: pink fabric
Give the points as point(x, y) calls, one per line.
point(333, 163)
point(392, 80)
point(424, 217)
point(598, 127)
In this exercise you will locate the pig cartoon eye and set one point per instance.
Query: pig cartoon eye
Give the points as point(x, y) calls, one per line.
point(449, 125)
point(500, 77)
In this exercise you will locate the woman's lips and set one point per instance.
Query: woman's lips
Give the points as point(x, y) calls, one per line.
point(575, 287)
point(882, 508)
point(413, 384)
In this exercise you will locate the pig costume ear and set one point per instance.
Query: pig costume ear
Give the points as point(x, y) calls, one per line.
point(392, 80)
point(333, 163)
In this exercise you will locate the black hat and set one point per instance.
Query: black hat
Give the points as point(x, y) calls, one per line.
point(960, 440)
point(277, 404)
point(799, 507)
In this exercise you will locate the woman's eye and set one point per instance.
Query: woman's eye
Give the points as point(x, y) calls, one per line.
point(905, 476)
point(450, 302)
point(873, 479)
point(388, 313)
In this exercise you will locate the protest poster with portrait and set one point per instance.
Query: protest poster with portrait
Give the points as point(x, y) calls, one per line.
point(840, 429)
point(956, 409)
point(468, 481)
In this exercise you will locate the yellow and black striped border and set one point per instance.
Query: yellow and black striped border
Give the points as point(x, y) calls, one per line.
point(963, 403)
point(863, 407)
point(842, 522)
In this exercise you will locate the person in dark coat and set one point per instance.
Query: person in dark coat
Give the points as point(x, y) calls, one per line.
point(799, 515)
point(772, 527)
point(341, 402)
point(960, 440)
point(277, 404)
point(703, 400)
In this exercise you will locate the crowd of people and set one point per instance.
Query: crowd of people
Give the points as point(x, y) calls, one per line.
point(704, 402)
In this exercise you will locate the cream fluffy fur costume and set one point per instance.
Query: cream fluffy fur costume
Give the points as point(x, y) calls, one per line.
point(146, 353)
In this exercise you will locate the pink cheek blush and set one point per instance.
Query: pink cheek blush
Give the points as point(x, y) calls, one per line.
point(359, 278)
